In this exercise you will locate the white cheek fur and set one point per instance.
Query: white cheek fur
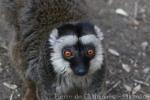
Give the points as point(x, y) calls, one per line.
point(97, 61)
point(60, 65)
point(98, 32)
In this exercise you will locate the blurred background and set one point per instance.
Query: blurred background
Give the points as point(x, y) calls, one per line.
point(126, 28)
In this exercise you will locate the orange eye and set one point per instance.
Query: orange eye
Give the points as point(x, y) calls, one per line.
point(68, 54)
point(90, 53)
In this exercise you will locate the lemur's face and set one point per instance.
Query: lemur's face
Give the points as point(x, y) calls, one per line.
point(76, 49)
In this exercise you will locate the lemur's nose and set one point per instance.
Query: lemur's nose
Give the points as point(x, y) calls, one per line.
point(81, 70)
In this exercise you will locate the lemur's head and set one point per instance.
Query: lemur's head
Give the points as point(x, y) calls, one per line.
point(76, 49)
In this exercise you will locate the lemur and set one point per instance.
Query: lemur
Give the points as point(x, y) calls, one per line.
point(55, 48)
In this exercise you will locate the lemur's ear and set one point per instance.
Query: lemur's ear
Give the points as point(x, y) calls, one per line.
point(53, 36)
point(98, 32)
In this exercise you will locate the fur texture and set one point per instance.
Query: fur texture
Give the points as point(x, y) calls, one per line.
point(35, 48)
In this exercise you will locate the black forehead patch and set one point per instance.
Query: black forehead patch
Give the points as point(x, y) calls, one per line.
point(79, 29)
point(67, 29)
point(85, 28)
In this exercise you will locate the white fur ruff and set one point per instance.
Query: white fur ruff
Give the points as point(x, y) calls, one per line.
point(60, 65)
point(66, 78)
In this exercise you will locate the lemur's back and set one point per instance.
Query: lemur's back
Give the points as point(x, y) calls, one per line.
point(40, 13)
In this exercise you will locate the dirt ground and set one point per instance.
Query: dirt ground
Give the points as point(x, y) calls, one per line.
point(126, 28)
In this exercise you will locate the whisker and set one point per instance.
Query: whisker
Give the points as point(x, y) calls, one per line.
point(56, 58)
point(97, 60)
point(63, 70)
point(99, 54)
